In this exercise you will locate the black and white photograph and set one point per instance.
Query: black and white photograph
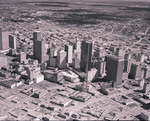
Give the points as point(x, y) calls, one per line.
point(74, 60)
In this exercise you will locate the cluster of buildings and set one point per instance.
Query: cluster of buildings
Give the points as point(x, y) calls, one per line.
point(79, 62)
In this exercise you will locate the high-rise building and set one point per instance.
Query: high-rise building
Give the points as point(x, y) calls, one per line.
point(4, 41)
point(134, 71)
point(78, 46)
point(146, 87)
point(61, 59)
point(100, 65)
point(12, 41)
point(76, 62)
point(51, 52)
point(99, 53)
point(115, 69)
point(36, 36)
point(69, 51)
point(127, 65)
point(39, 48)
point(86, 54)
point(127, 56)
point(146, 72)
point(40, 51)
point(53, 61)
point(140, 57)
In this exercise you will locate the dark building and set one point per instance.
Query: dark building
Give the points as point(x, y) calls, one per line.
point(69, 51)
point(40, 53)
point(146, 72)
point(39, 49)
point(12, 41)
point(115, 67)
point(86, 54)
point(136, 72)
point(36, 36)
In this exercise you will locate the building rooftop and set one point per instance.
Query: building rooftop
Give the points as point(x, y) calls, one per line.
point(114, 57)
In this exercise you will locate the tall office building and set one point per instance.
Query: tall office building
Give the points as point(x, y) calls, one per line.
point(146, 72)
point(61, 59)
point(140, 57)
point(99, 53)
point(127, 63)
point(4, 41)
point(40, 51)
point(146, 87)
point(69, 51)
point(86, 54)
point(78, 46)
point(100, 65)
point(39, 48)
point(115, 69)
point(51, 52)
point(127, 66)
point(36, 36)
point(12, 41)
point(134, 71)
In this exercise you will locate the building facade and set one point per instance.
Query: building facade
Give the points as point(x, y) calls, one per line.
point(4, 41)
point(115, 67)
point(86, 55)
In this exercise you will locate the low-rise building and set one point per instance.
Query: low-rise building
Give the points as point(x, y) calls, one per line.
point(54, 76)
point(10, 83)
point(109, 91)
point(71, 76)
point(80, 96)
point(61, 102)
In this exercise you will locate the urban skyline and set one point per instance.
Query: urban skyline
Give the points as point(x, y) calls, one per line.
point(62, 60)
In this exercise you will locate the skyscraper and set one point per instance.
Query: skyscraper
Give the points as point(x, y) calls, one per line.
point(78, 46)
point(99, 53)
point(69, 51)
point(140, 57)
point(135, 71)
point(86, 54)
point(61, 59)
point(127, 63)
point(12, 41)
point(40, 51)
point(146, 72)
point(114, 69)
point(100, 66)
point(39, 47)
point(4, 41)
point(36, 36)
